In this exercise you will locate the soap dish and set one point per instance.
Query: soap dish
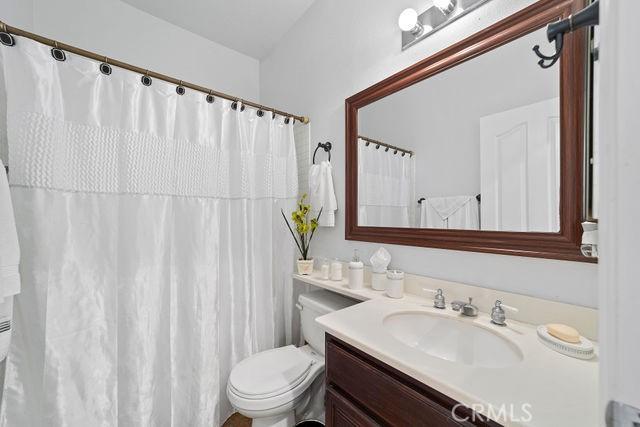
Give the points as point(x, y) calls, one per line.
point(582, 350)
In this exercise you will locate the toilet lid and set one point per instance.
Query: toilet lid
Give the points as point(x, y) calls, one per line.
point(270, 373)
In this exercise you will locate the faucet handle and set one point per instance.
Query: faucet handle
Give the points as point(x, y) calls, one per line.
point(507, 307)
point(438, 299)
point(498, 315)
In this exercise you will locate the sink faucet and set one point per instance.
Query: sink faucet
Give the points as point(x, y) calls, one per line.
point(466, 309)
point(438, 299)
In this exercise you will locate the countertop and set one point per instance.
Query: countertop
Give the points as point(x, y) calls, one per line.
point(544, 389)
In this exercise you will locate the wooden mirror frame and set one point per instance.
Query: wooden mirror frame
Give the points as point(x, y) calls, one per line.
point(564, 244)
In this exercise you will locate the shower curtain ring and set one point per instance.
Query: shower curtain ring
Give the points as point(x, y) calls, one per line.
point(105, 68)
point(210, 97)
point(235, 104)
point(180, 89)
point(146, 80)
point(6, 38)
point(57, 53)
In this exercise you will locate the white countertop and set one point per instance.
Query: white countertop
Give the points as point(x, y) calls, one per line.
point(556, 390)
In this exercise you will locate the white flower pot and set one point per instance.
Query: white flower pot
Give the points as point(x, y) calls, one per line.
point(305, 266)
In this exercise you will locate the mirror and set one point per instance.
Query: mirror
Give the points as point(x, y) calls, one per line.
point(477, 147)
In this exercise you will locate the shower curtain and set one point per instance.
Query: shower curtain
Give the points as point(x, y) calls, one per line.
point(154, 256)
point(385, 187)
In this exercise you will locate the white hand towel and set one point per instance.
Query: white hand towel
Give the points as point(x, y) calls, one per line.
point(9, 249)
point(321, 193)
point(429, 217)
point(456, 212)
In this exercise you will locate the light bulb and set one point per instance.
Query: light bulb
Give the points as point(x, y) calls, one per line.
point(446, 6)
point(408, 19)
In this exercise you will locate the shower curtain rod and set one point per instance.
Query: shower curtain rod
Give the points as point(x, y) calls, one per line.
point(91, 55)
point(388, 146)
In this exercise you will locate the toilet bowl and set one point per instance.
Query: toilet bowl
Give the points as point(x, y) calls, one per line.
point(268, 386)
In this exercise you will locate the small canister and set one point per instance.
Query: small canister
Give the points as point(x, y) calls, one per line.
point(395, 283)
point(324, 271)
point(379, 281)
point(336, 270)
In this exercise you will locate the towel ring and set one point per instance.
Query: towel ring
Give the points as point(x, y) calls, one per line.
point(326, 147)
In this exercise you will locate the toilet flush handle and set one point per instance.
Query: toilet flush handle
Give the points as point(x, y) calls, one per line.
point(298, 306)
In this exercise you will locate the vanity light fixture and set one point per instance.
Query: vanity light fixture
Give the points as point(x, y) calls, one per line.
point(417, 26)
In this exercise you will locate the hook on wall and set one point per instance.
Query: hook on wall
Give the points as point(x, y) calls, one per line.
point(587, 17)
point(548, 61)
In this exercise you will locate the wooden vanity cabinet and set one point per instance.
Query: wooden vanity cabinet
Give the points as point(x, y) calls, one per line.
point(362, 391)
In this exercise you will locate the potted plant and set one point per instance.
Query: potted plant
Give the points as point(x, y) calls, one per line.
point(305, 229)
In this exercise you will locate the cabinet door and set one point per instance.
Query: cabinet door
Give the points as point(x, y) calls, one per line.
point(342, 413)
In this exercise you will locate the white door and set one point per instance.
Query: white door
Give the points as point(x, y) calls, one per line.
point(618, 100)
point(519, 173)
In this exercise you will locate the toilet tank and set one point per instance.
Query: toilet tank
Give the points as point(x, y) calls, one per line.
point(315, 304)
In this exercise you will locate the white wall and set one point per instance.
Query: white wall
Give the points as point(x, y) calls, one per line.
point(18, 13)
point(339, 48)
point(618, 100)
point(115, 29)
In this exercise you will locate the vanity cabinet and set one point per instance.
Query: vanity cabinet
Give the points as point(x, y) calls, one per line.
point(362, 391)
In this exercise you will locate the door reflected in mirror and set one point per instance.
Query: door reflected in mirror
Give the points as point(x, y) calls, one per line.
point(475, 147)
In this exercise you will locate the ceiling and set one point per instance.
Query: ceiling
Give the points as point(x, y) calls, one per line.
point(252, 27)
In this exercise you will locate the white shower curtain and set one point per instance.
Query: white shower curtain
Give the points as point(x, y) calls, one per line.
point(385, 187)
point(154, 256)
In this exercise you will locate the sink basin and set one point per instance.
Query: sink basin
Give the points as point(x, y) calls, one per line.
point(455, 340)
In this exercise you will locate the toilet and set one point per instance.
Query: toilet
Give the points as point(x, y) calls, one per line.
point(268, 386)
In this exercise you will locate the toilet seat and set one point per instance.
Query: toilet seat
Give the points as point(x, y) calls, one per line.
point(274, 380)
point(270, 373)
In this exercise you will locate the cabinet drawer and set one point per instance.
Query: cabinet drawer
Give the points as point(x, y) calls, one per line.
point(342, 413)
point(385, 397)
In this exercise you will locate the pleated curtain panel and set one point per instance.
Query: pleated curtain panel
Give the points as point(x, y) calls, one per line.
point(154, 256)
